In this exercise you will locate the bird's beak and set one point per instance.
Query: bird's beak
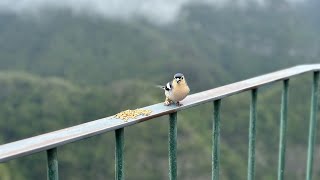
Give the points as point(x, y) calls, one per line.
point(178, 81)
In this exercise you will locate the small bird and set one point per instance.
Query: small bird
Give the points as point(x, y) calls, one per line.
point(176, 90)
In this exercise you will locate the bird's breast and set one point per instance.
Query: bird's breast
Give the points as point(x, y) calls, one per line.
point(179, 93)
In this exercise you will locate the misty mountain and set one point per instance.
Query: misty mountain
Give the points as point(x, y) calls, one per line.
point(203, 42)
point(155, 11)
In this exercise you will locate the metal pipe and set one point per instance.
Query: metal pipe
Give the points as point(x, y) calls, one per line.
point(119, 154)
point(172, 141)
point(283, 129)
point(252, 134)
point(313, 124)
point(52, 168)
point(216, 140)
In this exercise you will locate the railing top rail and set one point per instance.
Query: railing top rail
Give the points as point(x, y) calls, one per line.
point(57, 138)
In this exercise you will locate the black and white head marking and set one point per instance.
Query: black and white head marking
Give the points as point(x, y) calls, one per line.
point(178, 77)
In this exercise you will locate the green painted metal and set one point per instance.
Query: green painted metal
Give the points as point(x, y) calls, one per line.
point(283, 129)
point(119, 154)
point(313, 124)
point(252, 134)
point(216, 140)
point(52, 168)
point(172, 146)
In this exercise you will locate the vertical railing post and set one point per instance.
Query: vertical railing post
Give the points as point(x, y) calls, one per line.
point(216, 140)
point(283, 129)
point(252, 134)
point(172, 141)
point(52, 168)
point(313, 124)
point(119, 154)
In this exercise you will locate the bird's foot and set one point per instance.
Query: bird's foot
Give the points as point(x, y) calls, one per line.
point(179, 104)
point(167, 103)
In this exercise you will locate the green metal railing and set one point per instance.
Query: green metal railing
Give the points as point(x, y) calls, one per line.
point(283, 129)
point(51, 141)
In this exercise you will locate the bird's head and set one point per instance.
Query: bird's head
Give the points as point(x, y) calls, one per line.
point(179, 78)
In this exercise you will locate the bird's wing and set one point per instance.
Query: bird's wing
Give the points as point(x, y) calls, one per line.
point(168, 86)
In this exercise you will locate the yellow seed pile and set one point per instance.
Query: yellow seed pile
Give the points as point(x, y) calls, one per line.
point(132, 114)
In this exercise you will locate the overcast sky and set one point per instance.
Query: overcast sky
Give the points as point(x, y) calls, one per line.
point(160, 11)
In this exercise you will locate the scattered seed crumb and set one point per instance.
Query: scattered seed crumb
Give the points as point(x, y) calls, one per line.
point(132, 114)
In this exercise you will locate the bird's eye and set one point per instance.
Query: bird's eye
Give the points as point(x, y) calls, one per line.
point(181, 77)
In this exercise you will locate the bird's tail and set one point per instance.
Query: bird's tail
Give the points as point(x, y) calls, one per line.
point(160, 86)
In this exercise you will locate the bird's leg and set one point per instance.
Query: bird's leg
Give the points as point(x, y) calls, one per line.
point(178, 103)
point(167, 102)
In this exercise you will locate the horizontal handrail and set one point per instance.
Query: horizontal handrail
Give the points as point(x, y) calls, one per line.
point(57, 138)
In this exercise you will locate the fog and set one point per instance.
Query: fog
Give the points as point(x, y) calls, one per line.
point(157, 11)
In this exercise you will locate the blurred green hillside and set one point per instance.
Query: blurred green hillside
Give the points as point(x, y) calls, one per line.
point(62, 70)
point(225, 44)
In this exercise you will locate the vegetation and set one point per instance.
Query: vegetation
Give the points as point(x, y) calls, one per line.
point(64, 70)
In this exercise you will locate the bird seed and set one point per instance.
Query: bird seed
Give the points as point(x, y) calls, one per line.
point(132, 114)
